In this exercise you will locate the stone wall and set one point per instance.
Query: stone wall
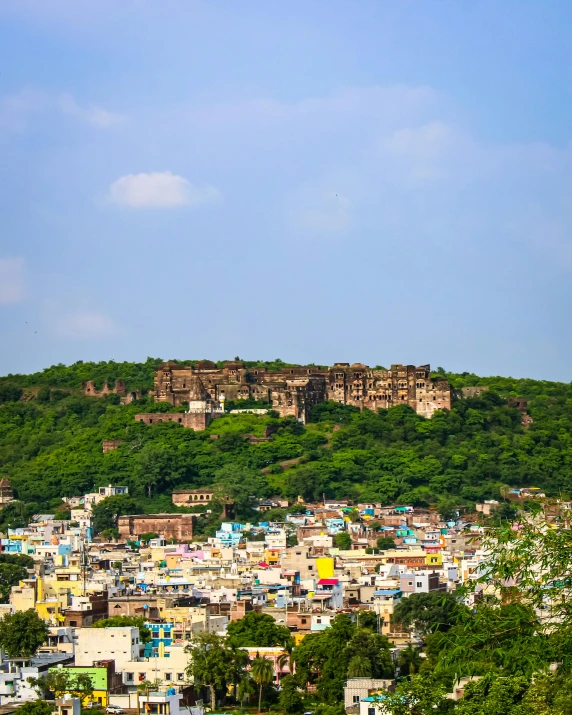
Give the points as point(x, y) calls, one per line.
point(126, 398)
point(170, 526)
point(194, 420)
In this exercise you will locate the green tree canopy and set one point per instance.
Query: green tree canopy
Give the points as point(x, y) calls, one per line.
point(290, 698)
point(258, 629)
point(343, 540)
point(215, 664)
point(428, 612)
point(36, 707)
point(22, 633)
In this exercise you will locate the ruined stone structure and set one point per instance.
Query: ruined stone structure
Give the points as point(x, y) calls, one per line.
point(201, 412)
point(108, 445)
point(521, 405)
point(475, 391)
point(184, 497)
point(295, 390)
point(171, 526)
point(6, 493)
point(126, 398)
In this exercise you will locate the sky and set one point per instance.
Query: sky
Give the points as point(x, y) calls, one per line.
point(316, 180)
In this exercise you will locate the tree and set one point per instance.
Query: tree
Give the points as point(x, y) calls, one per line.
point(36, 707)
point(147, 536)
point(257, 629)
point(297, 508)
point(374, 525)
point(372, 647)
point(343, 541)
point(409, 661)
point(290, 699)
point(111, 534)
point(448, 508)
point(10, 575)
point(215, 664)
point(323, 658)
point(105, 513)
point(246, 688)
point(122, 621)
point(418, 696)
point(22, 633)
point(367, 619)
point(505, 639)
point(262, 671)
point(493, 694)
point(428, 612)
point(385, 542)
point(61, 681)
point(359, 667)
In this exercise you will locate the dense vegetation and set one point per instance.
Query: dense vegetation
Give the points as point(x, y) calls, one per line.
point(51, 435)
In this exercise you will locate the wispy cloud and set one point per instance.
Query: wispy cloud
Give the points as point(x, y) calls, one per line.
point(85, 325)
point(394, 101)
point(160, 190)
point(12, 280)
point(94, 115)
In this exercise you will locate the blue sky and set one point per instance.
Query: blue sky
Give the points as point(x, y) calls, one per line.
point(317, 180)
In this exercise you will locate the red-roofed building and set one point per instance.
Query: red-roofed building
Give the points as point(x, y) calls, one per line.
point(329, 594)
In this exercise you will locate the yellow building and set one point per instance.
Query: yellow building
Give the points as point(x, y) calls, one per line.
point(434, 559)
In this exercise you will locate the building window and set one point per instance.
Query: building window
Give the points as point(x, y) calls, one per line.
point(168, 676)
point(142, 676)
point(180, 676)
point(371, 711)
point(129, 676)
point(356, 698)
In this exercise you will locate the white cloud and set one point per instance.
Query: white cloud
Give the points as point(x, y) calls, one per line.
point(85, 325)
point(12, 280)
point(94, 115)
point(159, 190)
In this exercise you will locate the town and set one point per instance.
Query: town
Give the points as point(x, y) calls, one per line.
point(125, 614)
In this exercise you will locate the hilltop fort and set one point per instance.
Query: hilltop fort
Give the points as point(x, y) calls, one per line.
point(293, 391)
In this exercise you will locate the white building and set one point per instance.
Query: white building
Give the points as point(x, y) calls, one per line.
point(120, 644)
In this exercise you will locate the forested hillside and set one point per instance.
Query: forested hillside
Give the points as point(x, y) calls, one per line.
point(50, 445)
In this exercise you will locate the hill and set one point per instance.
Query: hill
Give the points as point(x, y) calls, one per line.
point(51, 445)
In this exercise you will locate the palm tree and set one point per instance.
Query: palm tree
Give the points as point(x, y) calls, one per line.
point(359, 667)
point(262, 671)
point(283, 660)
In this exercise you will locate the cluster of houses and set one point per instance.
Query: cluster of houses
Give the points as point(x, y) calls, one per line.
point(292, 569)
